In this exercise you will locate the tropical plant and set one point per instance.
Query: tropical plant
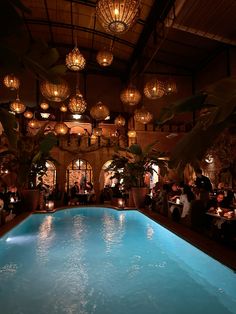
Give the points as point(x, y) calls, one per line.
point(217, 108)
point(24, 155)
point(130, 164)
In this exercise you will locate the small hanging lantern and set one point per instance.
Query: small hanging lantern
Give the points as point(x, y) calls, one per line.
point(77, 104)
point(63, 108)
point(130, 96)
point(171, 87)
point(34, 124)
point(11, 81)
point(28, 114)
point(75, 60)
point(117, 17)
point(99, 111)
point(44, 105)
point(61, 128)
point(119, 121)
point(55, 92)
point(154, 89)
point(104, 57)
point(142, 115)
point(132, 134)
point(17, 106)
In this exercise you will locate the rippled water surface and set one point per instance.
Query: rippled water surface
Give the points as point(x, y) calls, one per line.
point(98, 260)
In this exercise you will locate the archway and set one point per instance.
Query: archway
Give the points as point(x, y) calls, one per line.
point(78, 171)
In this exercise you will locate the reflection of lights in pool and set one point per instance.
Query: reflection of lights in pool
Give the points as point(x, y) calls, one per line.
point(150, 232)
point(20, 239)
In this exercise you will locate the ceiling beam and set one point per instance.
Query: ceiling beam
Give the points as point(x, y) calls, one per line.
point(158, 13)
point(49, 21)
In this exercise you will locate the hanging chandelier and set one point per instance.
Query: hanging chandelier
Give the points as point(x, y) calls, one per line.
point(77, 104)
point(61, 128)
point(142, 115)
point(104, 57)
point(17, 106)
point(130, 96)
point(75, 60)
point(11, 81)
point(44, 105)
point(28, 114)
point(99, 111)
point(119, 121)
point(171, 87)
point(117, 16)
point(63, 108)
point(154, 89)
point(55, 92)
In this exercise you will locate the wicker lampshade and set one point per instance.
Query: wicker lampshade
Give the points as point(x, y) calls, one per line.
point(130, 96)
point(77, 104)
point(104, 57)
point(117, 16)
point(97, 131)
point(55, 92)
point(171, 87)
point(61, 128)
point(44, 105)
point(11, 81)
point(142, 115)
point(17, 106)
point(75, 60)
point(28, 114)
point(119, 121)
point(154, 89)
point(63, 108)
point(99, 111)
point(34, 124)
point(132, 133)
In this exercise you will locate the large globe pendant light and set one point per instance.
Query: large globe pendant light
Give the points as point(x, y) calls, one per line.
point(99, 111)
point(117, 16)
point(154, 89)
point(130, 96)
point(11, 82)
point(77, 104)
point(104, 57)
point(55, 92)
point(17, 106)
point(119, 121)
point(61, 128)
point(142, 115)
point(75, 60)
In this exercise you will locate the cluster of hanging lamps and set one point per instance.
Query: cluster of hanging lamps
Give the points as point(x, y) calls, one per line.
point(117, 16)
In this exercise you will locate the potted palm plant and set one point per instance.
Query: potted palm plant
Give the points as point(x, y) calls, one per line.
point(131, 164)
point(24, 156)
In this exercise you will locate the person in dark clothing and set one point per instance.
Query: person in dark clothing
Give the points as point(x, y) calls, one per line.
point(74, 190)
point(203, 185)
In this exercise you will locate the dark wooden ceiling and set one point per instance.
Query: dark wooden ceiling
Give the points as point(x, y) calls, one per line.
point(170, 36)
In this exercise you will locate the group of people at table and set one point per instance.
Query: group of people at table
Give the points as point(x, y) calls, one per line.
point(81, 194)
point(199, 205)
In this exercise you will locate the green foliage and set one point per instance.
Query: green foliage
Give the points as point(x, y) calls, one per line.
point(132, 163)
point(26, 155)
point(194, 145)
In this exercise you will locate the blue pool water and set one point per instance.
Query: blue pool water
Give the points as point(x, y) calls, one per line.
point(98, 260)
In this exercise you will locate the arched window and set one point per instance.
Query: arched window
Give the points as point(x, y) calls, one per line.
point(78, 171)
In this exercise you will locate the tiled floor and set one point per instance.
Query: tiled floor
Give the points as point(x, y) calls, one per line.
point(224, 254)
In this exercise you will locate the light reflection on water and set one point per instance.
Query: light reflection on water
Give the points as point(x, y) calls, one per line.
point(96, 260)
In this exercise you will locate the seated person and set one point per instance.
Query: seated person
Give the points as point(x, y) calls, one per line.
point(216, 202)
point(74, 190)
point(174, 192)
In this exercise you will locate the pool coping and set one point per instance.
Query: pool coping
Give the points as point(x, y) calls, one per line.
point(221, 253)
